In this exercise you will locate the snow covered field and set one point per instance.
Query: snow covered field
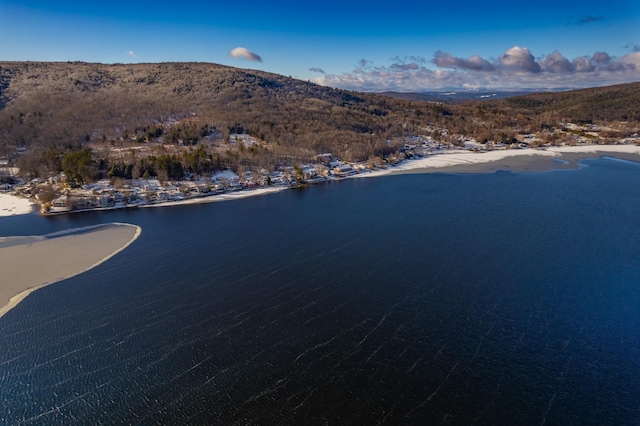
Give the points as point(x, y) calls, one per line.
point(11, 205)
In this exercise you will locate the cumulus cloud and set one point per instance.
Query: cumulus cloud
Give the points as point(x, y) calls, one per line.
point(555, 62)
point(519, 58)
point(241, 52)
point(582, 64)
point(474, 63)
point(632, 61)
point(318, 70)
point(603, 60)
point(515, 69)
point(132, 54)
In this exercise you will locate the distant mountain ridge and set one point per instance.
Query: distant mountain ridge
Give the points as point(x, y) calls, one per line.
point(607, 103)
point(455, 96)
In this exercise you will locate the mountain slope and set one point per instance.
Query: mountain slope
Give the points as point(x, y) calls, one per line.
point(600, 104)
point(68, 103)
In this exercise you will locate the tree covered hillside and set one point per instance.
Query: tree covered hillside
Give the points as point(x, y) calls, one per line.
point(68, 104)
point(598, 105)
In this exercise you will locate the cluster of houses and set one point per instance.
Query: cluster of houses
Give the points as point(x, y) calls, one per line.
point(105, 195)
point(55, 197)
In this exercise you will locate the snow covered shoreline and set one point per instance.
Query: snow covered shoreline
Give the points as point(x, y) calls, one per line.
point(481, 162)
point(454, 161)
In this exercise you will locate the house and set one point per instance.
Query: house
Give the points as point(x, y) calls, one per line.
point(325, 159)
point(344, 170)
point(60, 205)
point(106, 201)
point(235, 185)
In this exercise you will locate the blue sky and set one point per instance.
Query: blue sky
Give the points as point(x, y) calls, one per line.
point(364, 45)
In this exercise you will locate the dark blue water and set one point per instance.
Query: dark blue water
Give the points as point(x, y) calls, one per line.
point(426, 299)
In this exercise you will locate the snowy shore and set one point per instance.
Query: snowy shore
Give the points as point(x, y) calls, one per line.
point(222, 197)
point(512, 159)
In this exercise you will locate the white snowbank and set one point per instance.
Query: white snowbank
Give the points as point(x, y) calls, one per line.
point(10, 205)
point(461, 157)
point(225, 174)
point(626, 149)
point(222, 197)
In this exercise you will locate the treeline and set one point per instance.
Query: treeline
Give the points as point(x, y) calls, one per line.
point(600, 105)
point(81, 165)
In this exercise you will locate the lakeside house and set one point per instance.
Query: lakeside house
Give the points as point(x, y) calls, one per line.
point(60, 205)
point(344, 170)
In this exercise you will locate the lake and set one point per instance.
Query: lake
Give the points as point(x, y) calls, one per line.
point(414, 299)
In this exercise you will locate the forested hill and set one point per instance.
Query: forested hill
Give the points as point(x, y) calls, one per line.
point(70, 103)
point(49, 109)
point(594, 105)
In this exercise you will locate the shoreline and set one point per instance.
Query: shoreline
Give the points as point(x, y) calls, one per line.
point(454, 161)
point(516, 160)
point(59, 256)
point(198, 200)
point(220, 197)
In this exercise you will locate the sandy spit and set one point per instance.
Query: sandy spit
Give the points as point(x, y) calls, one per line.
point(32, 262)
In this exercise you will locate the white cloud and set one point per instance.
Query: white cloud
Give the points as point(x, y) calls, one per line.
point(632, 59)
point(241, 52)
point(519, 58)
point(132, 54)
point(555, 62)
point(582, 64)
point(515, 69)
